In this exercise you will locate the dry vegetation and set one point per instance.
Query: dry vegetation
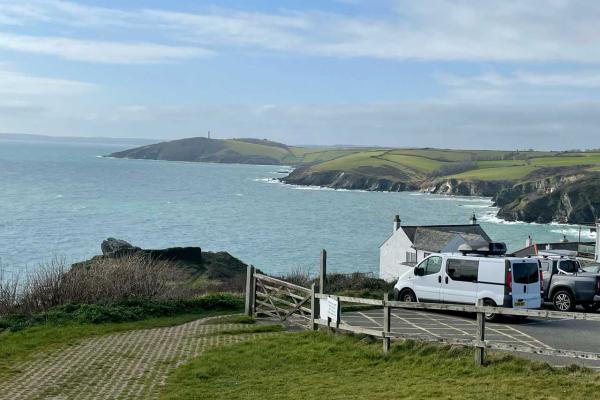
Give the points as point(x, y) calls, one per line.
point(104, 281)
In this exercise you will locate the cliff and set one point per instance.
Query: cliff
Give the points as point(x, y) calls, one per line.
point(567, 199)
point(368, 178)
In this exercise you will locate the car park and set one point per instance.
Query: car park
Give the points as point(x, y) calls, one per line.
point(464, 279)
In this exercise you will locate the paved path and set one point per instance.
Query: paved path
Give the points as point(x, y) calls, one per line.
point(532, 332)
point(127, 365)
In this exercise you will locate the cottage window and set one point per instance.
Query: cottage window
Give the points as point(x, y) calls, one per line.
point(411, 257)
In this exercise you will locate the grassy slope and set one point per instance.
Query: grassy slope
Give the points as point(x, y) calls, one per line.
point(416, 164)
point(317, 365)
point(419, 162)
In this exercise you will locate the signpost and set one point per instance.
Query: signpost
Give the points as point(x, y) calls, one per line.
point(333, 311)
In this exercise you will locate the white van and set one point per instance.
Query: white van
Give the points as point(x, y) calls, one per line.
point(449, 278)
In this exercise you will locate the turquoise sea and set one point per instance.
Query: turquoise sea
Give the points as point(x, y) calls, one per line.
point(62, 199)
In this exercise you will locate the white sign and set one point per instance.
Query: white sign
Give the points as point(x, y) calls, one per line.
point(333, 307)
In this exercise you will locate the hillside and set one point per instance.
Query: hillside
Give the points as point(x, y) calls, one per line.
point(513, 178)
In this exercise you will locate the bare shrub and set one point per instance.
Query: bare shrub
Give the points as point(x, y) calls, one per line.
point(9, 299)
point(299, 276)
point(102, 280)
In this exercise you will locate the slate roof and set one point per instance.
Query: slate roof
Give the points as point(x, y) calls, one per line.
point(434, 240)
point(411, 230)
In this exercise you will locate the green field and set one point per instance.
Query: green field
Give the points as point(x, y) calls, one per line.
point(408, 165)
point(322, 366)
point(420, 164)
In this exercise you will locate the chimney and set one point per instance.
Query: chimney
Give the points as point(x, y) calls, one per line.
point(598, 241)
point(473, 220)
point(529, 241)
point(396, 223)
point(564, 239)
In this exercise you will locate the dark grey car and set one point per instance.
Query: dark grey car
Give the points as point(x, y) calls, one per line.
point(567, 285)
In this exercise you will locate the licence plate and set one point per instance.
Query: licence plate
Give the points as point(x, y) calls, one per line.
point(519, 303)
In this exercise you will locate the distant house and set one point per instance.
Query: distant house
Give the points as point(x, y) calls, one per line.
point(410, 244)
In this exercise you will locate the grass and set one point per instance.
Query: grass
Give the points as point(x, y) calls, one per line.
point(246, 148)
point(495, 174)
point(317, 365)
point(421, 164)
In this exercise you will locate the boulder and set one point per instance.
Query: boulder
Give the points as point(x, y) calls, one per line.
point(112, 246)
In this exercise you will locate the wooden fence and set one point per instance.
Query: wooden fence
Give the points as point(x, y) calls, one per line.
point(284, 301)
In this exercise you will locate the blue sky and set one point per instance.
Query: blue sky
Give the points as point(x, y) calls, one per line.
point(493, 74)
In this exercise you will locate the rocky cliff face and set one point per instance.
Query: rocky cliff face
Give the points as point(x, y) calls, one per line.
point(383, 180)
point(569, 195)
point(570, 199)
point(464, 187)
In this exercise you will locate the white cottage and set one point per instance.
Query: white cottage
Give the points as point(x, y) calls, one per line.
point(410, 244)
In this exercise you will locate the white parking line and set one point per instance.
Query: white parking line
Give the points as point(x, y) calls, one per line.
point(416, 326)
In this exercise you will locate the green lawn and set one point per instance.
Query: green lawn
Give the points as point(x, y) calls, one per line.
point(321, 366)
point(22, 345)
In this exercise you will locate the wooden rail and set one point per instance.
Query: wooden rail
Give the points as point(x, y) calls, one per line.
point(282, 300)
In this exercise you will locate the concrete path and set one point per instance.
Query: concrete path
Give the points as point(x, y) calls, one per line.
point(127, 365)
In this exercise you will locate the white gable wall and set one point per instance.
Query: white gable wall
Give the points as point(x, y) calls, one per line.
point(392, 256)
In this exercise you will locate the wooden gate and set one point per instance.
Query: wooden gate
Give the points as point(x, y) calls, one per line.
point(274, 298)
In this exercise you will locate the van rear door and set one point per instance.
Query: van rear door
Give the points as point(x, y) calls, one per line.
point(526, 290)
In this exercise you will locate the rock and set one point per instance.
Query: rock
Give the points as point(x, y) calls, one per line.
point(575, 201)
point(112, 245)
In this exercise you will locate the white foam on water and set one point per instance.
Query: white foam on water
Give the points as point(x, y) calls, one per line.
point(574, 232)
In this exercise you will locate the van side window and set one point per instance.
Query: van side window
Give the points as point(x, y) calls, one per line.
point(463, 270)
point(434, 264)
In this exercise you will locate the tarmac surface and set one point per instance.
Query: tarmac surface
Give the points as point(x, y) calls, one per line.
point(577, 335)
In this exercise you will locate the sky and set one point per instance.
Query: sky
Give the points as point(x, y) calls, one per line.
point(429, 73)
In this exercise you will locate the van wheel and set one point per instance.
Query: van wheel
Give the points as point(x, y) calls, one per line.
point(591, 307)
point(490, 317)
point(408, 296)
point(562, 300)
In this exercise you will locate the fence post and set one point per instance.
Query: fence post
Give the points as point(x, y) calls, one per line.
point(323, 272)
point(387, 314)
point(250, 291)
point(313, 309)
point(480, 336)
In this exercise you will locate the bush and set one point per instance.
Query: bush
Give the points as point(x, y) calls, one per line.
point(101, 281)
point(125, 310)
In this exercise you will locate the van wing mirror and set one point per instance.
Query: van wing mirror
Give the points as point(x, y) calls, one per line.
point(419, 271)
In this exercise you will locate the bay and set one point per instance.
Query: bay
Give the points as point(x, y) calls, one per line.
point(62, 199)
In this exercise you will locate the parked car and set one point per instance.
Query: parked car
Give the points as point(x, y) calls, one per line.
point(566, 284)
point(498, 281)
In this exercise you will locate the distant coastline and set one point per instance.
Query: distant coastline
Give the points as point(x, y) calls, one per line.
point(529, 186)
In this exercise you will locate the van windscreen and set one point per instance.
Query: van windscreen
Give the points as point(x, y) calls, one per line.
point(525, 273)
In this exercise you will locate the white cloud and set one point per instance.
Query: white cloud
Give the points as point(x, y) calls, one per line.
point(19, 84)
point(99, 51)
point(575, 79)
point(506, 30)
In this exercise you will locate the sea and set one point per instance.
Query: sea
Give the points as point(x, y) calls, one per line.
point(61, 199)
